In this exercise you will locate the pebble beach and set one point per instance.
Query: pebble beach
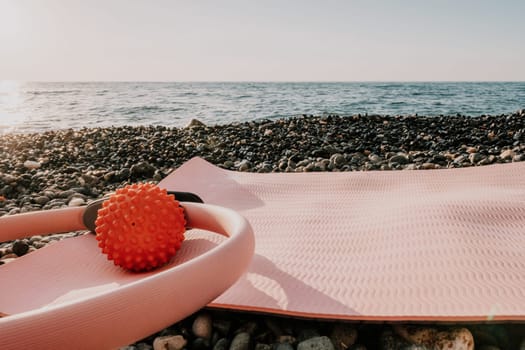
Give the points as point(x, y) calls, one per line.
point(54, 169)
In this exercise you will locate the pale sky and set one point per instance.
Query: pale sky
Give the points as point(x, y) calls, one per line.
point(266, 40)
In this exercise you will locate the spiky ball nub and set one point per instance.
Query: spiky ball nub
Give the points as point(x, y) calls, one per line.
point(140, 227)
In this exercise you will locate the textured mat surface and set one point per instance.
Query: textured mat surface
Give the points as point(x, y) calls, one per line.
point(403, 245)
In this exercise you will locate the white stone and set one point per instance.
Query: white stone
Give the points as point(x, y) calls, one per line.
point(507, 154)
point(76, 202)
point(456, 339)
point(171, 342)
point(30, 164)
point(202, 326)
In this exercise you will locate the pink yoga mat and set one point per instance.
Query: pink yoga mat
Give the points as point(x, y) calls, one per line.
point(440, 245)
point(437, 245)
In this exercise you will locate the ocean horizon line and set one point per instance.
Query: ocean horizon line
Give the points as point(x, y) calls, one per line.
point(269, 81)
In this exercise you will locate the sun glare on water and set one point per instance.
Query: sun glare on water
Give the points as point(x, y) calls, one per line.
point(11, 101)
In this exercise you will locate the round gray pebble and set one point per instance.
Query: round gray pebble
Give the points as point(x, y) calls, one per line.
point(241, 341)
point(317, 343)
point(283, 346)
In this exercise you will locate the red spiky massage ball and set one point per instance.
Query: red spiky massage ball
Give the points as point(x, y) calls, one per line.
point(140, 227)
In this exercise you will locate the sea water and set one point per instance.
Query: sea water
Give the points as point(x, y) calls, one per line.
point(36, 107)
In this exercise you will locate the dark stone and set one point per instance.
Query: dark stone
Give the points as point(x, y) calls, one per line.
point(283, 346)
point(142, 170)
point(343, 336)
point(221, 344)
point(200, 344)
point(223, 326)
point(41, 200)
point(110, 176)
point(475, 157)
point(143, 346)
point(123, 174)
point(399, 158)
point(262, 346)
point(195, 123)
point(307, 333)
point(71, 170)
point(20, 247)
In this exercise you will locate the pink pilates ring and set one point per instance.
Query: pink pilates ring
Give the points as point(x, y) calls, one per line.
point(125, 307)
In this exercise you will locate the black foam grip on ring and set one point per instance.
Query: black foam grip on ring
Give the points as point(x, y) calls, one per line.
point(90, 214)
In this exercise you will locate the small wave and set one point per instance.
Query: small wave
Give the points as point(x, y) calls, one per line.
point(150, 108)
point(138, 110)
point(397, 103)
point(360, 103)
point(52, 92)
point(389, 86)
point(188, 93)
